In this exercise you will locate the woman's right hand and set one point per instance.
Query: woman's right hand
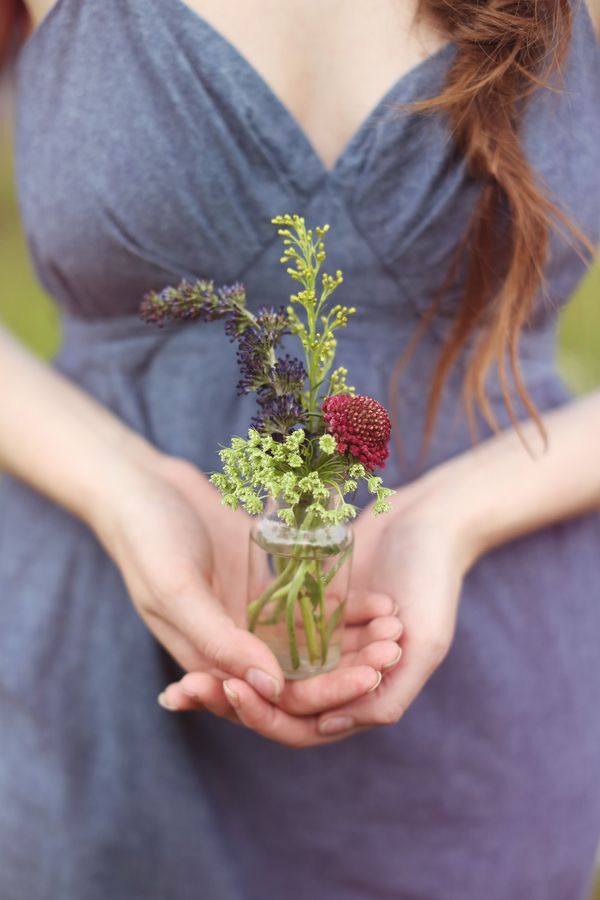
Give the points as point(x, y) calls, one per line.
point(183, 558)
point(157, 532)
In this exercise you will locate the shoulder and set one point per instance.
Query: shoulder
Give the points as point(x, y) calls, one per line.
point(594, 10)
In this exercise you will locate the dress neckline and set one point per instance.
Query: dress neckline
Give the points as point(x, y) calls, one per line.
point(402, 88)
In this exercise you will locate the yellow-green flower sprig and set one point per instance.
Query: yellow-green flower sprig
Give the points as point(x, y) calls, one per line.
point(304, 473)
point(316, 329)
point(338, 384)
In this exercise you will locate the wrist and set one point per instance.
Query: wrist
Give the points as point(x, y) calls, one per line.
point(125, 469)
point(499, 490)
point(447, 499)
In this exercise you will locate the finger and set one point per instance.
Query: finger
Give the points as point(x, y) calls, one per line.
point(173, 698)
point(386, 705)
point(320, 692)
point(206, 689)
point(381, 655)
point(362, 606)
point(276, 724)
point(173, 706)
point(380, 629)
point(199, 691)
point(200, 617)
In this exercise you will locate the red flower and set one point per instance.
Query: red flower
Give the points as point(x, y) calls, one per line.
point(360, 426)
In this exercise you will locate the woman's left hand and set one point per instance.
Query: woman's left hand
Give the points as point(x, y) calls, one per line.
point(418, 557)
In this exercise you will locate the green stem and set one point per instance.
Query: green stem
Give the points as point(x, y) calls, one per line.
point(321, 603)
point(279, 564)
point(276, 613)
point(295, 586)
point(309, 627)
point(301, 580)
point(330, 575)
point(278, 588)
point(254, 609)
point(334, 621)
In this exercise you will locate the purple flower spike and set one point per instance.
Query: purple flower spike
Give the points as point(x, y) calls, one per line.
point(192, 300)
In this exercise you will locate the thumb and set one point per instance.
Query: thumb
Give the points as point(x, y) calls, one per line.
point(232, 649)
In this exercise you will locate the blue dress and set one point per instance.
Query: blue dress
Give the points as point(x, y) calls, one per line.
point(149, 149)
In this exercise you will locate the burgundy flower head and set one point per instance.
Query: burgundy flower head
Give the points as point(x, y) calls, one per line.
point(360, 426)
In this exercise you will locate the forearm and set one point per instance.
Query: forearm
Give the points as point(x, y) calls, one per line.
point(496, 491)
point(58, 439)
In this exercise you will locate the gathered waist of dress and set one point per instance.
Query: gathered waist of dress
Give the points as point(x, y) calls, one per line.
point(92, 338)
point(90, 332)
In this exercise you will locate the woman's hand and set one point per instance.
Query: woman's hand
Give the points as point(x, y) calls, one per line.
point(441, 524)
point(183, 557)
point(415, 556)
point(158, 531)
point(410, 555)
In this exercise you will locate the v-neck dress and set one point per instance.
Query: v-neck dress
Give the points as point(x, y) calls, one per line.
point(149, 149)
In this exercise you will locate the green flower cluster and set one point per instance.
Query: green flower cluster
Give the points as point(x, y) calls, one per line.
point(307, 474)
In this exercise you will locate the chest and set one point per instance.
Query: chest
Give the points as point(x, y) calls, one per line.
point(328, 62)
point(170, 160)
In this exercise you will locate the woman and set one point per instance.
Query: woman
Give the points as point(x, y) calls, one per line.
point(455, 753)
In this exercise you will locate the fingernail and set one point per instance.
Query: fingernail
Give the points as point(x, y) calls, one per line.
point(392, 662)
point(163, 702)
point(336, 723)
point(377, 683)
point(263, 683)
point(232, 696)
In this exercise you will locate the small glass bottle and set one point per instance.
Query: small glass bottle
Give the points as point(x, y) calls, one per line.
point(297, 590)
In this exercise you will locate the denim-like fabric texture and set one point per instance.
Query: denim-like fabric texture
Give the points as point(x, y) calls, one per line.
point(149, 149)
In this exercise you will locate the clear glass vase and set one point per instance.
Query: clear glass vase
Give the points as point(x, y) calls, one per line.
point(297, 591)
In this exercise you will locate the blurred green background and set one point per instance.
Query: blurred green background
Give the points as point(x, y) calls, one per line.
point(26, 311)
point(24, 308)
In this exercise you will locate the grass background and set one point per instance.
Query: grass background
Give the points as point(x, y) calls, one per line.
point(32, 316)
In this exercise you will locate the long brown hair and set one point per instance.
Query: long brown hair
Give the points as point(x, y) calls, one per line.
point(505, 49)
point(14, 28)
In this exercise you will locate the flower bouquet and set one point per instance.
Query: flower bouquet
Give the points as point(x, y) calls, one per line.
point(310, 444)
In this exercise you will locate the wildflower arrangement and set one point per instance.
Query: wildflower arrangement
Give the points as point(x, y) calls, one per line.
point(313, 439)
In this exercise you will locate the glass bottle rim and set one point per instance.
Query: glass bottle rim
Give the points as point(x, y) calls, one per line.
point(276, 536)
